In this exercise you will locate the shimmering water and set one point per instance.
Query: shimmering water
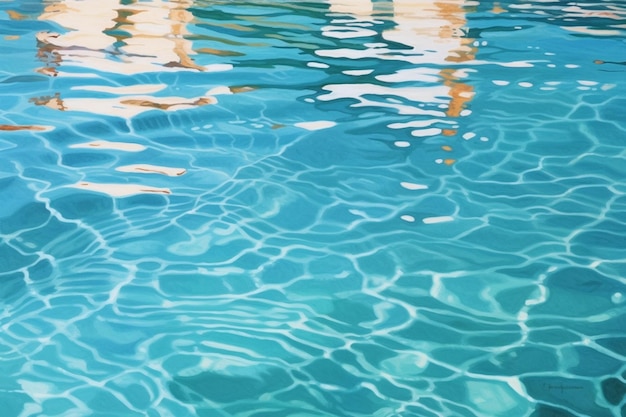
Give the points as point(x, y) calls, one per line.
point(340, 208)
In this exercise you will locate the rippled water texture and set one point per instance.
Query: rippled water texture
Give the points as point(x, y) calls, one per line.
point(324, 208)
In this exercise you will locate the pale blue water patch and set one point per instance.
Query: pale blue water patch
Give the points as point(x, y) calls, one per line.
point(322, 208)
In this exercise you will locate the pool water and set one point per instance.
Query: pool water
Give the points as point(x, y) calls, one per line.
point(322, 208)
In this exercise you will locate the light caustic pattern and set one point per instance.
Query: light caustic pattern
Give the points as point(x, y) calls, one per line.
point(341, 208)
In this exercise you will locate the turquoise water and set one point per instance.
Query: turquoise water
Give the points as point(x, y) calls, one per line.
point(347, 208)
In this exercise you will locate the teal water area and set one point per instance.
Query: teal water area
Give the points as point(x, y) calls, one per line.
point(324, 208)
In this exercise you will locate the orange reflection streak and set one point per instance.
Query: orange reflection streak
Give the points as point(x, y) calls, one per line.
point(432, 33)
point(14, 128)
point(442, 23)
point(460, 93)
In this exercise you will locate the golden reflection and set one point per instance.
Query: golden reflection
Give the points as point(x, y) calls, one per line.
point(433, 32)
point(497, 8)
point(13, 15)
point(218, 52)
point(357, 8)
point(128, 38)
point(54, 102)
point(144, 36)
point(14, 128)
point(439, 24)
point(125, 106)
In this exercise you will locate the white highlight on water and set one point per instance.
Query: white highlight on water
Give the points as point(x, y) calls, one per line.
point(439, 219)
point(316, 125)
point(413, 186)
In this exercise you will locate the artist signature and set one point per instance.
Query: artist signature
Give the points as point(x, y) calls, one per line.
point(562, 387)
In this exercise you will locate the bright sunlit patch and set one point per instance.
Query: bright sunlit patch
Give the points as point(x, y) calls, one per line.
point(415, 123)
point(121, 190)
point(421, 133)
point(317, 125)
point(131, 89)
point(103, 144)
point(439, 219)
point(317, 65)
point(413, 186)
point(152, 169)
point(358, 72)
point(469, 135)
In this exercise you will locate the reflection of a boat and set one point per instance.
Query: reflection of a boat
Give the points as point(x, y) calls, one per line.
point(122, 106)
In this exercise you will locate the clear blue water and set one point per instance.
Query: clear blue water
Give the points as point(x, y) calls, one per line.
point(271, 208)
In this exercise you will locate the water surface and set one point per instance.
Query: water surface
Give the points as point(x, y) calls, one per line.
point(342, 208)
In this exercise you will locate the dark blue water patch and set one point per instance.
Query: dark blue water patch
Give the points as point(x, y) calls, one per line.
point(614, 390)
point(585, 280)
point(607, 133)
point(227, 388)
point(59, 239)
point(514, 299)
point(319, 405)
point(25, 80)
point(578, 284)
point(143, 203)
point(13, 403)
point(613, 110)
point(56, 406)
point(518, 361)
point(498, 239)
point(562, 139)
point(592, 363)
point(458, 357)
point(326, 371)
point(89, 207)
point(103, 403)
point(565, 222)
point(12, 259)
point(282, 271)
point(10, 209)
point(41, 271)
point(353, 311)
point(552, 336)
point(105, 128)
point(493, 339)
point(12, 286)
point(616, 344)
point(543, 410)
point(86, 159)
point(578, 395)
point(600, 244)
point(29, 216)
point(360, 400)
point(429, 332)
point(196, 284)
point(413, 410)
